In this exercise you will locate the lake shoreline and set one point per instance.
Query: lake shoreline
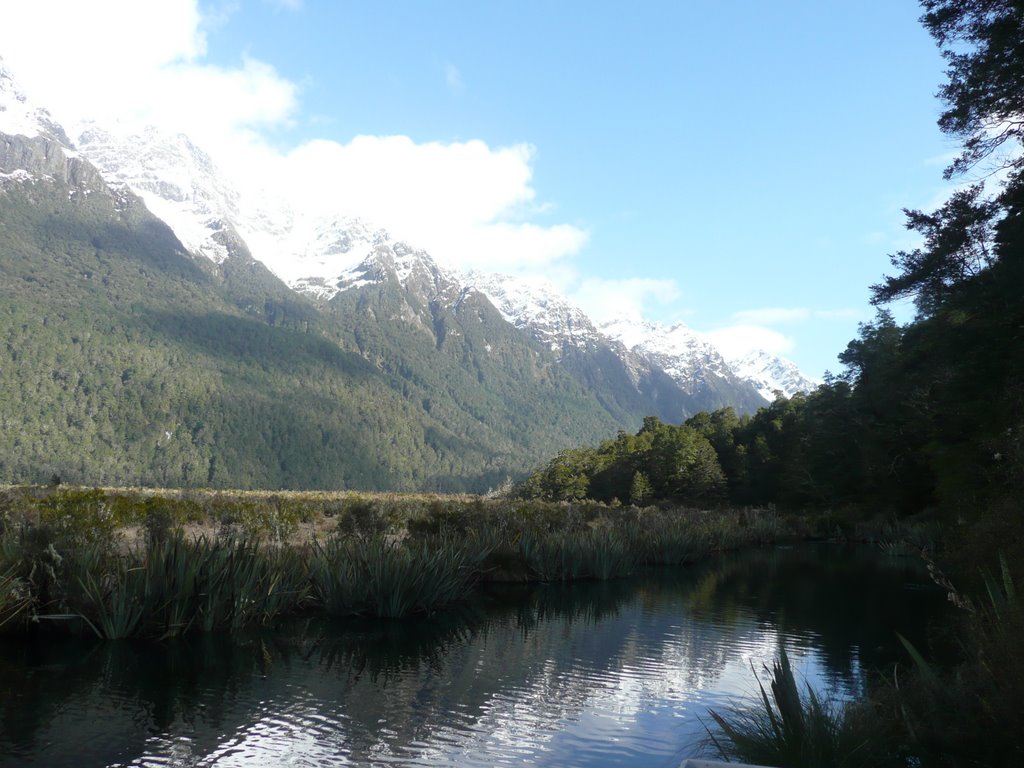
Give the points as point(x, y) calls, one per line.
point(160, 563)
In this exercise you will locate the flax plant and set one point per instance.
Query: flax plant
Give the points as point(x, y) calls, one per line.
point(382, 576)
point(113, 593)
point(794, 731)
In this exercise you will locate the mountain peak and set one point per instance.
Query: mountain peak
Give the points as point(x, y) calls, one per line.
point(19, 117)
point(534, 304)
point(177, 180)
point(770, 374)
point(391, 260)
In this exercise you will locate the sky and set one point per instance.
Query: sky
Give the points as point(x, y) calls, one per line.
point(738, 166)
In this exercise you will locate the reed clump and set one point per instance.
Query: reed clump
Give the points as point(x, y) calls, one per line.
point(177, 584)
point(799, 730)
point(965, 712)
point(388, 578)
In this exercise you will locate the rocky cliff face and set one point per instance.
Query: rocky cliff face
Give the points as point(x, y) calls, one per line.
point(33, 146)
point(177, 180)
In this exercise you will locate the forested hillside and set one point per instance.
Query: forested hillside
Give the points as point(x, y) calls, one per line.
point(127, 361)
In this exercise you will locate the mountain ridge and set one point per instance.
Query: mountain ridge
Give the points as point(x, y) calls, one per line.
point(359, 362)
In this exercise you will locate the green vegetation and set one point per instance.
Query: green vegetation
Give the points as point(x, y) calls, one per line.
point(123, 361)
point(798, 731)
point(161, 564)
point(660, 462)
point(927, 715)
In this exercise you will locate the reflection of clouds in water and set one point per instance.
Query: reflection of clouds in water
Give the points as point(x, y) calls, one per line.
point(594, 675)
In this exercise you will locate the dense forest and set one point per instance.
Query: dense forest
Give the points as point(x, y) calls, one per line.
point(126, 361)
point(928, 416)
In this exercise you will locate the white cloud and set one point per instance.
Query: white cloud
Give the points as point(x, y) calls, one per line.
point(468, 203)
point(463, 201)
point(140, 63)
point(454, 80)
point(604, 299)
point(735, 341)
point(115, 43)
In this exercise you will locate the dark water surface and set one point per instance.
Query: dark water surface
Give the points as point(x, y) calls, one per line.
point(608, 674)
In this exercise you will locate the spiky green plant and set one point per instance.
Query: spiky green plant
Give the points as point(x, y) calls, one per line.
point(112, 598)
point(552, 556)
point(335, 577)
point(971, 717)
point(238, 585)
point(607, 554)
point(174, 570)
point(791, 731)
point(385, 577)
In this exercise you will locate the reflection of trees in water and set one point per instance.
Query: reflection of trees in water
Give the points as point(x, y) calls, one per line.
point(521, 658)
point(848, 601)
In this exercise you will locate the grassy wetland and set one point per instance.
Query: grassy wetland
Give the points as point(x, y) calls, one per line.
point(160, 564)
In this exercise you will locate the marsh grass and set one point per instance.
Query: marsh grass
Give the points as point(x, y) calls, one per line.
point(113, 598)
point(178, 584)
point(600, 553)
point(14, 596)
point(390, 578)
point(971, 714)
point(165, 563)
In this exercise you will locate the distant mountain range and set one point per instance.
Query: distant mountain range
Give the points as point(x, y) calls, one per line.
point(283, 348)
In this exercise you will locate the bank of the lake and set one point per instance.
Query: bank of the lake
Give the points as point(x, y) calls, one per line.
point(135, 563)
point(596, 673)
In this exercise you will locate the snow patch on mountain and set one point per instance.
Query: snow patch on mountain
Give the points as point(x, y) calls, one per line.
point(676, 349)
point(535, 305)
point(178, 182)
point(310, 253)
point(411, 268)
point(19, 117)
point(182, 185)
point(770, 374)
point(18, 175)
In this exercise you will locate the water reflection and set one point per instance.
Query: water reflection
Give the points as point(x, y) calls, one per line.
point(616, 673)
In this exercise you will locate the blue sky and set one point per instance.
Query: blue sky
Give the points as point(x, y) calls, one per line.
point(738, 166)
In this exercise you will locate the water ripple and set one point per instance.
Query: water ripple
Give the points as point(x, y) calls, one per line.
point(610, 675)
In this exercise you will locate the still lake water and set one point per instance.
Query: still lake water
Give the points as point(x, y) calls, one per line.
point(609, 674)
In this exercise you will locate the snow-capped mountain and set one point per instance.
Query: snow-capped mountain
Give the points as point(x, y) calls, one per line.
point(214, 218)
point(34, 147)
point(537, 307)
point(177, 180)
point(19, 117)
point(693, 363)
point(322, 256)
point(770, 374)
point(677, 371)
point(677, 350)
point(412, 269)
